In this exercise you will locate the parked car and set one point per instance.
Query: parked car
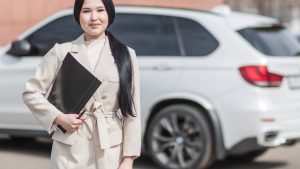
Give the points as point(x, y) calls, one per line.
point(212, 85)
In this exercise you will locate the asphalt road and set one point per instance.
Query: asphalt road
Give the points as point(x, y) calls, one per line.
point(28, 154)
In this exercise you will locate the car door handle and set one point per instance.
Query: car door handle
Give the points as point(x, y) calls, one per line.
point(162, 67)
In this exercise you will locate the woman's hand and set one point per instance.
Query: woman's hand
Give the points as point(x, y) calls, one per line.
point(69, 121)
point(127, 163)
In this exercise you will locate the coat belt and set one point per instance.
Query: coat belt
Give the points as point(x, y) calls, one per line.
point(100, 114)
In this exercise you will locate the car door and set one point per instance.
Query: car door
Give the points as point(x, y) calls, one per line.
point(16, 70)
point(159, 53)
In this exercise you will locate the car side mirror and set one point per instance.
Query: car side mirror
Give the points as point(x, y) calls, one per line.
point(20, 48)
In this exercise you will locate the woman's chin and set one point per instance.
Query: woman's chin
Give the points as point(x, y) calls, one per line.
point(95, 33)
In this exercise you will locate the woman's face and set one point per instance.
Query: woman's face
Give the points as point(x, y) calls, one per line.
point(93, 19)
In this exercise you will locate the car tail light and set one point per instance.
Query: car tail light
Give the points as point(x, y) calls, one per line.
point(260, 76)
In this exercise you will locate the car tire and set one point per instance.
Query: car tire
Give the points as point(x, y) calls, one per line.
point(179, 137)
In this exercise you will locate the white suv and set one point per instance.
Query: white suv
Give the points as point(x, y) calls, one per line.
point(212, 85)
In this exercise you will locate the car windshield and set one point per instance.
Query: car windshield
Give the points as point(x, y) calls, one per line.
point(274, 40)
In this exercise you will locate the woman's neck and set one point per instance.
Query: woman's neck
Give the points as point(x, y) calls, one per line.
point(88, 37)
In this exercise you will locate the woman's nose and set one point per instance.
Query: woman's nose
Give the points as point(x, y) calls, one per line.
point(94, 16)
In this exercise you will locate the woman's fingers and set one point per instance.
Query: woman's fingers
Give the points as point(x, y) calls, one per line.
point(75, 127)
point(83, 117)
point(74, 120)
point(77, 121)
point(72, 123)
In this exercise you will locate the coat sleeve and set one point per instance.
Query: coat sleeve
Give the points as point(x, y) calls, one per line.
point(132, 125)
point(37, 87)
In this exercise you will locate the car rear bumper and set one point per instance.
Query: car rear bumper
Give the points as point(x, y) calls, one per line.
point(284, 127)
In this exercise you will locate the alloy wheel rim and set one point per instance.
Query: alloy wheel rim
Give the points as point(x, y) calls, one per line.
point(178, 140)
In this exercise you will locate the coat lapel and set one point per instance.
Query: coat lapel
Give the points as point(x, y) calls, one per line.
point(104, 67)
point(105, 62)
point(79, 51)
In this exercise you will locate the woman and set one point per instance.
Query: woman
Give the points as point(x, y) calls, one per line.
point(100, 139)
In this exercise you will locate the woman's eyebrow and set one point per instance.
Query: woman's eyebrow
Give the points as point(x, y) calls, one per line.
point(100, 7)
point(87, 8)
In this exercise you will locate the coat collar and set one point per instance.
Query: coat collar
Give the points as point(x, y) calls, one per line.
point(79, 51)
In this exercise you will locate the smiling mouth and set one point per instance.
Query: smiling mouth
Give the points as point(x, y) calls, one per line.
point(94, 25)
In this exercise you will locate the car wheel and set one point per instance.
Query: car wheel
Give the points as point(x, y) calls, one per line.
point(247, 157)
point(179, 137)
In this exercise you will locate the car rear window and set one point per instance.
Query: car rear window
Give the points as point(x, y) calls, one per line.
point(272, 41)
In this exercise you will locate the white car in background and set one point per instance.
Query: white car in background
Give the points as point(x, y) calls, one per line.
point(212, 85)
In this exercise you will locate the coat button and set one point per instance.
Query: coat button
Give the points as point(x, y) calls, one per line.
point(90, 138)
point(104, 96)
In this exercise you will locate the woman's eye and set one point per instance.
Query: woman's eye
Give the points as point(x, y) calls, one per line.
point(100, 10)
point(85, 11)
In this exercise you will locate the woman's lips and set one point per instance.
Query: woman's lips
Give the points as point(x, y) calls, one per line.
point(94, 25)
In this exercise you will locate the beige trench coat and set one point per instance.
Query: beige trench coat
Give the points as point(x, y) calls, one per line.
point(103, 139)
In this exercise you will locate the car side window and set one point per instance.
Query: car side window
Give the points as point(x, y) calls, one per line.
point(197, 40)
point(149, 35)
point(61, 30)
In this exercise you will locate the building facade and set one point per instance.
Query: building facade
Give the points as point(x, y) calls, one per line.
point(17, 15)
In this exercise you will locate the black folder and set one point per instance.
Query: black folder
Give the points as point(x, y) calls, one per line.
point(73, 86)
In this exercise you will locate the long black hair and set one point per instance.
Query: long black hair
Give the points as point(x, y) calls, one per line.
point(122, 58)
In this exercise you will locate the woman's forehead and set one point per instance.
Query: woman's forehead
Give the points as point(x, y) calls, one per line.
point(92, 4)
